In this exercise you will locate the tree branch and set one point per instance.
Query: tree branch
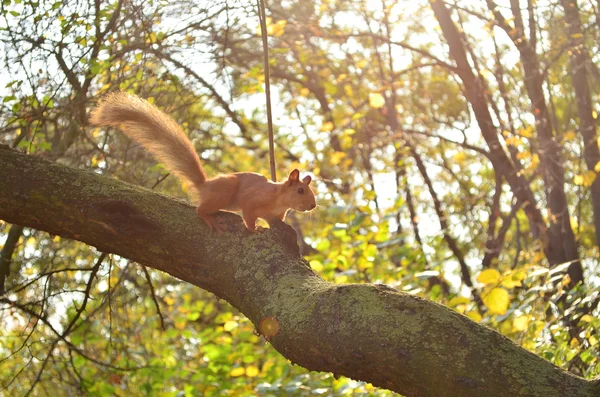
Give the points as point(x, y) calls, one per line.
point(368, 332)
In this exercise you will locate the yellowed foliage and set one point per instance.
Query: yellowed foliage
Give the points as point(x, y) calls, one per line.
point(586, 179)
point(497, 301)
point(230, 326)
point(526, 132)
point(458, 300)
point(474, 315)
point(460, 157)
point(376, 100)
point(514, 141)
point(513, 279)
point(569, 136)
point(362, 63)
point(521, 323)
point(489, 276)
point(252, 371)
point(328, 126)
point(238, 371)
point(337, 157)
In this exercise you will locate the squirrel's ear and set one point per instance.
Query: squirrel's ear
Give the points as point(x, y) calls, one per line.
point(294, 176)
point(307, 179)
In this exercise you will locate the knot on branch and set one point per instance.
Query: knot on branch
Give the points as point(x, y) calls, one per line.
point(286, 235)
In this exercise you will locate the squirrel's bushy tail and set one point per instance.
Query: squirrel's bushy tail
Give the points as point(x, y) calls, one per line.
point(154, 130)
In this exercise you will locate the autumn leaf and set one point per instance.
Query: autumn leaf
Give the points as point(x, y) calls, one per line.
point(513, 279)
point(460, 157)
point(230, 325)
point(238, 371)
point(328, 126)
point(252, 371)
point(520, 323)
point(586, 179)
point(489, 276)
point(376, 100)
point(497, 301)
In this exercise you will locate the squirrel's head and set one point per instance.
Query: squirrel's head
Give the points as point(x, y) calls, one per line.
point(296, 193)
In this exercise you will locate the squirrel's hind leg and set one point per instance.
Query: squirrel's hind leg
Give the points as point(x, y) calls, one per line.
point(213, 221)
point(214, 195)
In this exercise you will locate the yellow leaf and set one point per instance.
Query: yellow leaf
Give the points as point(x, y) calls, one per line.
point(376, 100)
point(252, 371)
point(361, 64)
point(459, 300)
point(593, 340)
point(577, 35)
point(597, 167)
point(594, 114)
point(497, 301)
point(277, 29)
point(348, 90)
point(336, 157)
point(304, 91)
point(170, 301)
point(513, 279)
point(520, 323)
point(180, 323)
point(574, 342)
point(586, 179)
point(489, 276)
point(328, 126)
point(230, 326)
point(460, 157)
point(526, 132)
point(317, 266)
point(510, 283)
point(514, 141)
point(239, 371)
point(586, 318)
point(569, 136)
point(474, 315)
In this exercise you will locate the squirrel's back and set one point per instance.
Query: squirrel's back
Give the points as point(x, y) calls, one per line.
point(154, 130)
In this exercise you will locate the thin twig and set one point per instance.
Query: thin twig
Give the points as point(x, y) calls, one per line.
point(263, 31)
point(149, 280)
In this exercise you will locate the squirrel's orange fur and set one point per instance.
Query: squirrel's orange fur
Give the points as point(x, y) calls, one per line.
point(251, 193)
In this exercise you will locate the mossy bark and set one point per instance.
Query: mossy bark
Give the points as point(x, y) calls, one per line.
point(368, 332)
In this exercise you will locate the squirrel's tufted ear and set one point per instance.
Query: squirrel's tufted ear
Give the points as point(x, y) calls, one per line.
point(293, 177)
point(307, 179)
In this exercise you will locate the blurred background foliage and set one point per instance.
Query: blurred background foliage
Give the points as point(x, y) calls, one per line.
point(384, 103)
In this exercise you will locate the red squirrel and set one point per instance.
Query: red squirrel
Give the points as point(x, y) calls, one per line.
point(251, 193)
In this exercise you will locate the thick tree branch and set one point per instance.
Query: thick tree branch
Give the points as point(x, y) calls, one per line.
point(368, 332)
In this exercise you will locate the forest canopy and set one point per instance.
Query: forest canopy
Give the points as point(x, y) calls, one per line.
point(453, 147)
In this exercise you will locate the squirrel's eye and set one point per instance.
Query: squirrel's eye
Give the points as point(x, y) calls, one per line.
point(301, 190)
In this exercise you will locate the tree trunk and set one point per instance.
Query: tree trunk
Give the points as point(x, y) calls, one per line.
point(554, 248)
point(368, 332)
point(580, 59)
point(562, 239)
